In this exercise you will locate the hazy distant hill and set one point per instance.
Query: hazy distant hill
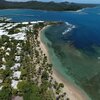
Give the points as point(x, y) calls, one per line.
point(62, 6)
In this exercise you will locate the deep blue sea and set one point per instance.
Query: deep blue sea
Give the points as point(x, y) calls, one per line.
point(76, 45)
point(87, 22)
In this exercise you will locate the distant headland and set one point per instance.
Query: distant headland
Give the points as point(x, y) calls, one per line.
point(49, 6)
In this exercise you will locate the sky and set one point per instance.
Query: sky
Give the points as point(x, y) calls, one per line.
point(78, 1)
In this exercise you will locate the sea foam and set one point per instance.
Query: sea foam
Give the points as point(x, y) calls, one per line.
point(69, 28)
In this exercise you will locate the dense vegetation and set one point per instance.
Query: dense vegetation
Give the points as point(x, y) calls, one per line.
point(35, 81)
point(63, 6)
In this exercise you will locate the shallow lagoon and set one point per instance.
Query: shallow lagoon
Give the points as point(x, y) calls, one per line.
point(83, 66)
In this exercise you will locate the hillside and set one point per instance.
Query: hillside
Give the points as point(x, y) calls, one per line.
point(37, 5)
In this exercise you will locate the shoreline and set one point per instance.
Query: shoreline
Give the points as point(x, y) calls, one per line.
point(72, 91)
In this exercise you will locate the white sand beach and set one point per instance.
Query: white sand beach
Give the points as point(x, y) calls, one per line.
point(73, 92)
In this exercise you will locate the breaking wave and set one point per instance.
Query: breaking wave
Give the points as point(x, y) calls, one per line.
point(70, 27)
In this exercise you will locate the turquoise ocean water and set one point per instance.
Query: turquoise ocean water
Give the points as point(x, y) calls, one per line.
point(74, 47)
